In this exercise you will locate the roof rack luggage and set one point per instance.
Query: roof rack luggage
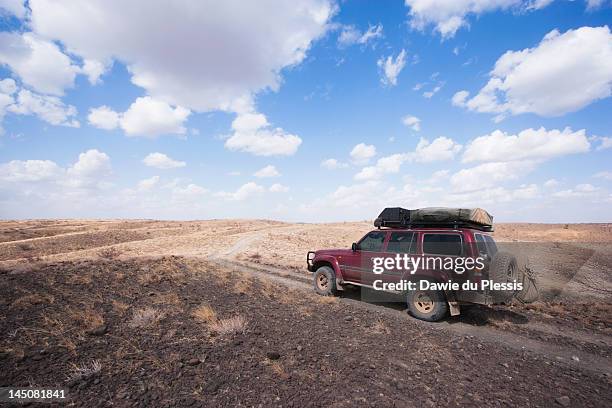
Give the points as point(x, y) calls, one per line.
point(397, 217)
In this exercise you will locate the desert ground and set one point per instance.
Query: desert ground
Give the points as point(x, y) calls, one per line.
point(222, 313)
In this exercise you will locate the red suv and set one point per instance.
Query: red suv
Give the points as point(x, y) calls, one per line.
point(420, 255)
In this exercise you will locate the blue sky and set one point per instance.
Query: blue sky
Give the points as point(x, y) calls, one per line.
point(307, 111)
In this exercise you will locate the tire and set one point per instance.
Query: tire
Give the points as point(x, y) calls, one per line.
point(428, 305)
point(503, 269)
point(530, 292)
point(324, 281)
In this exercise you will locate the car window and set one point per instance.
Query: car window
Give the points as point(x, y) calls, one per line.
point(402, 242)
point(481, 244)
point(373, 241)
point(442, 244)
point(491, 245)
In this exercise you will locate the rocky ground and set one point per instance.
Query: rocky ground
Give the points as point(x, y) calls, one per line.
point(151, 313)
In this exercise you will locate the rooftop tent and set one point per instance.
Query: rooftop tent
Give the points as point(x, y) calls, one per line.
point(434, 216)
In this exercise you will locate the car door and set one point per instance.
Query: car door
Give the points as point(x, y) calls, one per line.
point(399, 242)
point(358, 266)
point(436, 247)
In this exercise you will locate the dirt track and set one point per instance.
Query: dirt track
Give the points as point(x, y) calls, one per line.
point(296, 349)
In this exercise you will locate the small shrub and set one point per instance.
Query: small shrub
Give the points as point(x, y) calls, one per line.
point(205, 314)
point(25, 247)
point(84, 370)
point(232, 325)
point(146, 317)
point(109, 253)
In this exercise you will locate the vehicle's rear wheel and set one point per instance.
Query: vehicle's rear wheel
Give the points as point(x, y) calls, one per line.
point(429, 305)
point(503, 269)
point(325, 281)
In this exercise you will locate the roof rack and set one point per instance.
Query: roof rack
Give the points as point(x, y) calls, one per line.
point(437, 217)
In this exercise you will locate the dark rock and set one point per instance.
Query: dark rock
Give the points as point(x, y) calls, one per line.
point(348, 318)
point(98, 331)
point(564, 401)
point(194, 362)
point(273, 355)
point(212, 386)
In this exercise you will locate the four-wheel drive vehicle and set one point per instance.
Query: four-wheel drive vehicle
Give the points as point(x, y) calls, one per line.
point(429, 233)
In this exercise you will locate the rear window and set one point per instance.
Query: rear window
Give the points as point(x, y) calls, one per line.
point(442, 244)
point(402, 242)
point(491, 245)
point(373, 241)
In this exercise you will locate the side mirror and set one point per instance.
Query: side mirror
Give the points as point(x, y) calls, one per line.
point(354, 247)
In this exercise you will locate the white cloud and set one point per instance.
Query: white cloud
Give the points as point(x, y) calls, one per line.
point(562, 74)
point(412, 122)
point(30, 171)
point(268, 171)
point(103, 117)
point(384, 165)
point(228, 50)
point(243, 192)
point(48, 108)
point(189, 193)
point(551, 183)
point(391, 67)
point(39, 63)
point(594, 4)
point(528, 144)
point(333, 164)
point(351, 35)
point(89, 169)
point(253, 134)
point(604, 142)
point(449, 16)
point(489, 175)
point(94, 70)
point(148, 184)
point(162, 161)
point(430, 94)
point(278, 188)
point(145, 117)
point(581, 190)
point(14, 7)
point(441, 148)
point(606, 175)
point(150, 118)
point(362, 153)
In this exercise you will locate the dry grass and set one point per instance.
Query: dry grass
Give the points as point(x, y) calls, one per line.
point(205, 313)
point(109, 253)
point(229, 326)
point(31, 300)
point(380, 327)
point(327, 300)
point(146, 317)
point(86, 317)
point(119, 307)
point(84, 370)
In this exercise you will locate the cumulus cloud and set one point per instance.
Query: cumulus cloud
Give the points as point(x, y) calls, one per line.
point(48, 108)
point(390, 68)
point(449, 16)
point(29, 171)
point(146, 116)
point(243, 192)
point(91, 166)
point(39, 63)
point(253, 134)
point(441, 148)
point(14, 7)
point(103, 117)
point(362, 153)
point(384, 165)
point(604, 142)
point(580, 190)
point(489, 174)
point(333, 164)
point(148, 184)
point(606, 175)
point(351, 35)
point(536, 144)
point(162, 161)
point(412, 122)
point(227, 49)
point(268, 171)
point(563, 73)
point(278, 188)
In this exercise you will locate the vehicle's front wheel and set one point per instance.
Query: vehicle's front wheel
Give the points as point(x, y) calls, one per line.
point(428, 305)
point(325, 281)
